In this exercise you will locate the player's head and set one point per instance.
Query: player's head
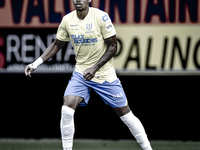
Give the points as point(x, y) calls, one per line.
point(81, 5)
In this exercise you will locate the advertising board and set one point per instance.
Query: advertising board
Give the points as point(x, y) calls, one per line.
point(156, 35)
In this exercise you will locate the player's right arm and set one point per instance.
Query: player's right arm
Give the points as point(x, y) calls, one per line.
point(50, 52)
point(52, 49)
point(61, 38)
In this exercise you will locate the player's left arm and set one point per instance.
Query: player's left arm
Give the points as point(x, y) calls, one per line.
point(111, 43)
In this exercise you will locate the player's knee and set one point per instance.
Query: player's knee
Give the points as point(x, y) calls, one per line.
point(121, 111)
point(68, 101)
point(72, 101)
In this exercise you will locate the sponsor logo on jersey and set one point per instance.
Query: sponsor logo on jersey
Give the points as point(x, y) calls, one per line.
point(73, 25)
point(80, 39)
point(109, 27)
point(105, 18)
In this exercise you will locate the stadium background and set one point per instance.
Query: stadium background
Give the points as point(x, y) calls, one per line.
point(157, 62)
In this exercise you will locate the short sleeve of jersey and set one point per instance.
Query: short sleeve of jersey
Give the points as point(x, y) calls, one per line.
point(107, 27)
point(62, 33)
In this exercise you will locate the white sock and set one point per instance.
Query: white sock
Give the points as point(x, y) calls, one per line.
point(67, 127)
point(137, 130)
point(67, 148)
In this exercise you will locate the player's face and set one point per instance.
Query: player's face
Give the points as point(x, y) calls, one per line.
point(81, 5)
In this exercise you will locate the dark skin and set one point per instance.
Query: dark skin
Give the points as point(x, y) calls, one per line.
point(110, 52)
point(50, 52)
point(82, 8)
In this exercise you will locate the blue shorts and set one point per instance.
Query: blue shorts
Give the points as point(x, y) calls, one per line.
point(111, 93)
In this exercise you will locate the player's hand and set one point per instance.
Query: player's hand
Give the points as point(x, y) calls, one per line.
point(29, 69)
point(89, 73)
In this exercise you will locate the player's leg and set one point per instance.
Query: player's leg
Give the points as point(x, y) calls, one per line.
point(76, 93)
point(113, 94)
point(67, 120)
point(134, 125)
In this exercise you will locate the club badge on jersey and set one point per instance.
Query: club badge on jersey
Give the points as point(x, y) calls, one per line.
point(89, 26)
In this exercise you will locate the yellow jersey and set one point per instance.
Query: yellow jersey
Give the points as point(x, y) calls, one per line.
point(87, 37)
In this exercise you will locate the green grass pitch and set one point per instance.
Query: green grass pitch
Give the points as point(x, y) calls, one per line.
point(55, 144)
